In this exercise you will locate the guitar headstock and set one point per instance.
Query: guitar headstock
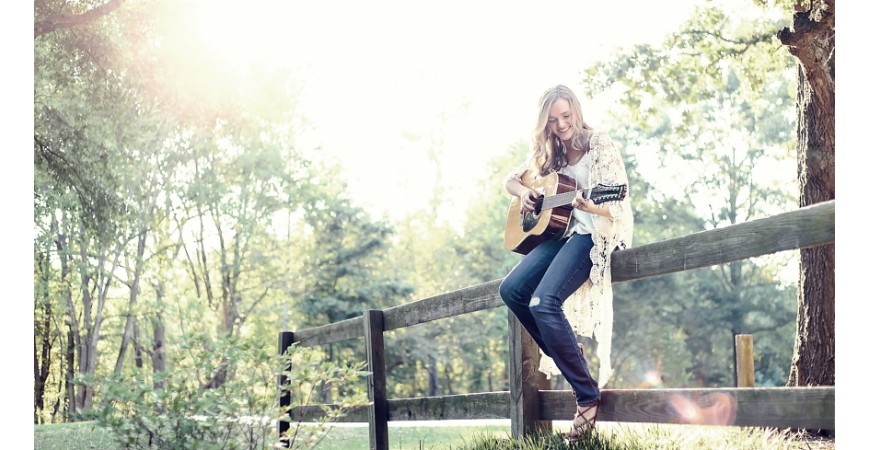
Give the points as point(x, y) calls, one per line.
point(606, 193)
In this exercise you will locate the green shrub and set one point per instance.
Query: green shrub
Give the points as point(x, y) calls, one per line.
point(185, 408)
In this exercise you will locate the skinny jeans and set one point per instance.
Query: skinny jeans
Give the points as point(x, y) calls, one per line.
point(534, 291)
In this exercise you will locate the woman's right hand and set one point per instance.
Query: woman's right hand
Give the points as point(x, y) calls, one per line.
point(527, 200)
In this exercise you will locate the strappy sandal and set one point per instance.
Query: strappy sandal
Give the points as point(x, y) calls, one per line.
point(584, 421)
point(585, 416)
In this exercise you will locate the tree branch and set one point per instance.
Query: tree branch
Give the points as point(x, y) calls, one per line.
point(63, 21)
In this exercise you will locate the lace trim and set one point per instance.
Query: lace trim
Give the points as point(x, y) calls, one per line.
point(590, 308)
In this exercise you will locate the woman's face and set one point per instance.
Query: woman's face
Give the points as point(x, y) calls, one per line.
point(560, 121)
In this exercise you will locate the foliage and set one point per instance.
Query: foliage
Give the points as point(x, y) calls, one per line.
point(241, 413)
point(352, 436)
point(342, 255)
point(466, 353)
point(706, 119)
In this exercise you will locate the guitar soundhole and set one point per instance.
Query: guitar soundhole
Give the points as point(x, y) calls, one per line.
point(530, 219)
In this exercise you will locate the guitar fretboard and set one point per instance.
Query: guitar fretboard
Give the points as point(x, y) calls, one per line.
point(558, 200)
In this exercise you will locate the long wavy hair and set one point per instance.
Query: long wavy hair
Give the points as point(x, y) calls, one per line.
point(550, 153)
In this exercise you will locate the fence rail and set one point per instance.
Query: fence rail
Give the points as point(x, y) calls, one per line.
point(530, 404)
point(779, 407)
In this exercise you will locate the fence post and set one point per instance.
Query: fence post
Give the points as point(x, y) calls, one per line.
point(745, 366)
point(285, 340)
point(373, 322)
point(525, 381)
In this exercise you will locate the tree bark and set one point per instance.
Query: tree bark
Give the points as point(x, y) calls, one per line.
point(62, 21)
point(73, 335)
point(432, 368)
point(70, 374)
point(158, 355)
point(92, 310)
point(811, 40)
point(138, 360)
point(42, 351)
point(134, 295)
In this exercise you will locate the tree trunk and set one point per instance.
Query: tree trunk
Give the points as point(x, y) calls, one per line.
point(92, 309)
point(41, 366)
point(811, 40)
point(56, 408)
point(70, 374)
point(42, 352)
point(138, 360)
point(432, 368)
point(131, 305)
point(158, 355)
point(63, 21)
point(73, 335)
point(86, 351)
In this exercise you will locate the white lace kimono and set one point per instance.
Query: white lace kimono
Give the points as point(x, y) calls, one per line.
point(590, 308)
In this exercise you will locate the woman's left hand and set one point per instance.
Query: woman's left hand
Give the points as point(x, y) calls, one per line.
point(583, 204)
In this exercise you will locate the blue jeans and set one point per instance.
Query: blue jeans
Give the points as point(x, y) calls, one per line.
point(535, 290)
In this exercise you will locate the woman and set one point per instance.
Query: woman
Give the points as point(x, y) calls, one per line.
point(537, 288)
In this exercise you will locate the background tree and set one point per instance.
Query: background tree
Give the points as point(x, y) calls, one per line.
point(72, 107)
point(52, 15)
point(241, 179)
point(811, 40)
point(80, 98)
point(711, 100)
point(109, 137)
point(343, 251)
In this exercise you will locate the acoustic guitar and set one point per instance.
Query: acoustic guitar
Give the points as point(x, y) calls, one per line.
point(525, 230)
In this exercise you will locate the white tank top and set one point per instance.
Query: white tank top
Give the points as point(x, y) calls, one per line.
point(582, 223)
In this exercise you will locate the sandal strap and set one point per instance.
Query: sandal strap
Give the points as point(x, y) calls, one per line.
point(583, 425)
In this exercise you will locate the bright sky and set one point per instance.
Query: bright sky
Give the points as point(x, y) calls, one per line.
point(387, 82)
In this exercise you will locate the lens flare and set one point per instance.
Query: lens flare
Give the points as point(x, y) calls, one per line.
point(713, 409)
point(652, 378)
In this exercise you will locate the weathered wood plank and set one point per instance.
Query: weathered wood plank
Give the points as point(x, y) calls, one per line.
point(333, 332)
point(745, 365)
point(312, 413)
point(525, 381)
point(784, 407)
point(285, 340)
point(806, 227)
point(379, 414)
point(486, 405)
point(467, 300)
point(463, 301)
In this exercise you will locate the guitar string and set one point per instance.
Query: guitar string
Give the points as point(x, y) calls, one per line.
point(565, 198)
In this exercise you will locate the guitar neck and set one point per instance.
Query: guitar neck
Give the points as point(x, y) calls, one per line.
point(558, 200)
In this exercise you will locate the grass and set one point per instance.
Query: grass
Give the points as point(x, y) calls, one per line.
point(72, 436)
point(625, 436)
point(488, 436)
point(87, 436)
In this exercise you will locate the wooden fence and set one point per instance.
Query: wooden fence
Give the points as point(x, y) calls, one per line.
point(530, 404)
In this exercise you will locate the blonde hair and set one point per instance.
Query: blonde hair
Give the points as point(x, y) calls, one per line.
point(549, 151)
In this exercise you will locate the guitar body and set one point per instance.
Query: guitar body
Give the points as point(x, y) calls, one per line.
point(524, 231)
